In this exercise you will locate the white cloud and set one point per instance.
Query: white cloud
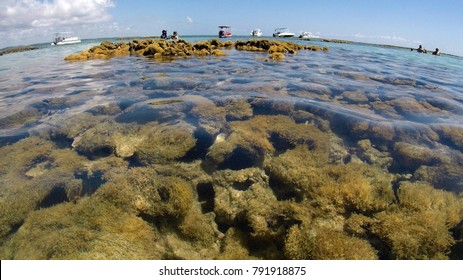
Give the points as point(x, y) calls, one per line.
point(35, 13)
point(17, 16)
point(189, 19)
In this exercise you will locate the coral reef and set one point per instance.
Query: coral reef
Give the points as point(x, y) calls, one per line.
point(336, 41)
point(274, 46)
point(271, 169)
point(268, 188)
point(22, 118)
point(17, 49)
point(412, 156)
point(165, 143)
point(418, 227)
point(91, 229)
point(322, 244)
point(181, 48)
point(275, 49)
point(452, 134)
point(252, 139)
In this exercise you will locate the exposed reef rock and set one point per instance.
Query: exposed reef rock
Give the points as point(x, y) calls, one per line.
point(181, 48)
point(17, 49)
point(336, 41)
point(275, 49)
point(274, 46)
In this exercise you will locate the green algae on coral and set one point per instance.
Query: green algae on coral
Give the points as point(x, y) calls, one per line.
point(253, 138)
point(290, 195)
point(90, 229)
point(322, 244)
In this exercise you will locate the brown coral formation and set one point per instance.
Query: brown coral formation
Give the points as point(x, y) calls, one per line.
point(151, 48)
point(275, 49)
point(182, 48)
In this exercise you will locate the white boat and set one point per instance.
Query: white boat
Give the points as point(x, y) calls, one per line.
point(256, 32)
point(308, 35)
point(65, 38)
point(283, 32)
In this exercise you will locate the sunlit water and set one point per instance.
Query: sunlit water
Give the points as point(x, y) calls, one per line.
point(31, 78)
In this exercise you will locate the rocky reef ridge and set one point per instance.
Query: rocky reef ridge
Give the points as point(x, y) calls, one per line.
point(182, 48)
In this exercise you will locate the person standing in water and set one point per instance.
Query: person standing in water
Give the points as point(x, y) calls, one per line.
point(164, 34)
point(421, 50)
point(174, 36)
point(436, 52)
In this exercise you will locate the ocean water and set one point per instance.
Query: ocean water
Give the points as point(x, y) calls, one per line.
point(390, 109)
point(31, 77)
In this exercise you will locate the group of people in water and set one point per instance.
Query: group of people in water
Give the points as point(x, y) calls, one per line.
point(164, 36)
point(174, 36)
point(420, 49)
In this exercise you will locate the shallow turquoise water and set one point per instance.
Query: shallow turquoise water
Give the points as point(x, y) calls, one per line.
point(30, 78)
point(54, 89)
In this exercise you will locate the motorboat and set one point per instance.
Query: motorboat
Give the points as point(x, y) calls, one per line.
point(283, 32)
point(65, 38)
point(256, 32)
point(308, 35)
point(224, 31)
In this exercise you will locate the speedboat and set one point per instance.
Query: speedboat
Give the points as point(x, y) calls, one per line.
point(256, 32)
point(308, 35)
point(224, 31)
point(65, 38)
point(283, 32)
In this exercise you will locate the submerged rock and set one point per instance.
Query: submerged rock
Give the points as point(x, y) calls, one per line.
point(418, 227)
point(17, 49)
point(304, 242)
point(90, 229)
point(165, 143)
point(371, 155)
point(250, 141)
point(450, 133)
point(447, 176)
point(413, 156)
point(34, 174)
point(22, 118)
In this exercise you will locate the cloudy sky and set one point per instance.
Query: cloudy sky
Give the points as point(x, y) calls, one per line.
point(398, 22)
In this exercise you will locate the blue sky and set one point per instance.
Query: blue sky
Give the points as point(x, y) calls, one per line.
point(397, 22)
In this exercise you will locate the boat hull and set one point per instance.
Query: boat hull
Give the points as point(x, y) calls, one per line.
point(284, 35)
point(67, 42)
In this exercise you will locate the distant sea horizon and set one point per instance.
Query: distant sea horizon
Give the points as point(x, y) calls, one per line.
point(41, 44)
